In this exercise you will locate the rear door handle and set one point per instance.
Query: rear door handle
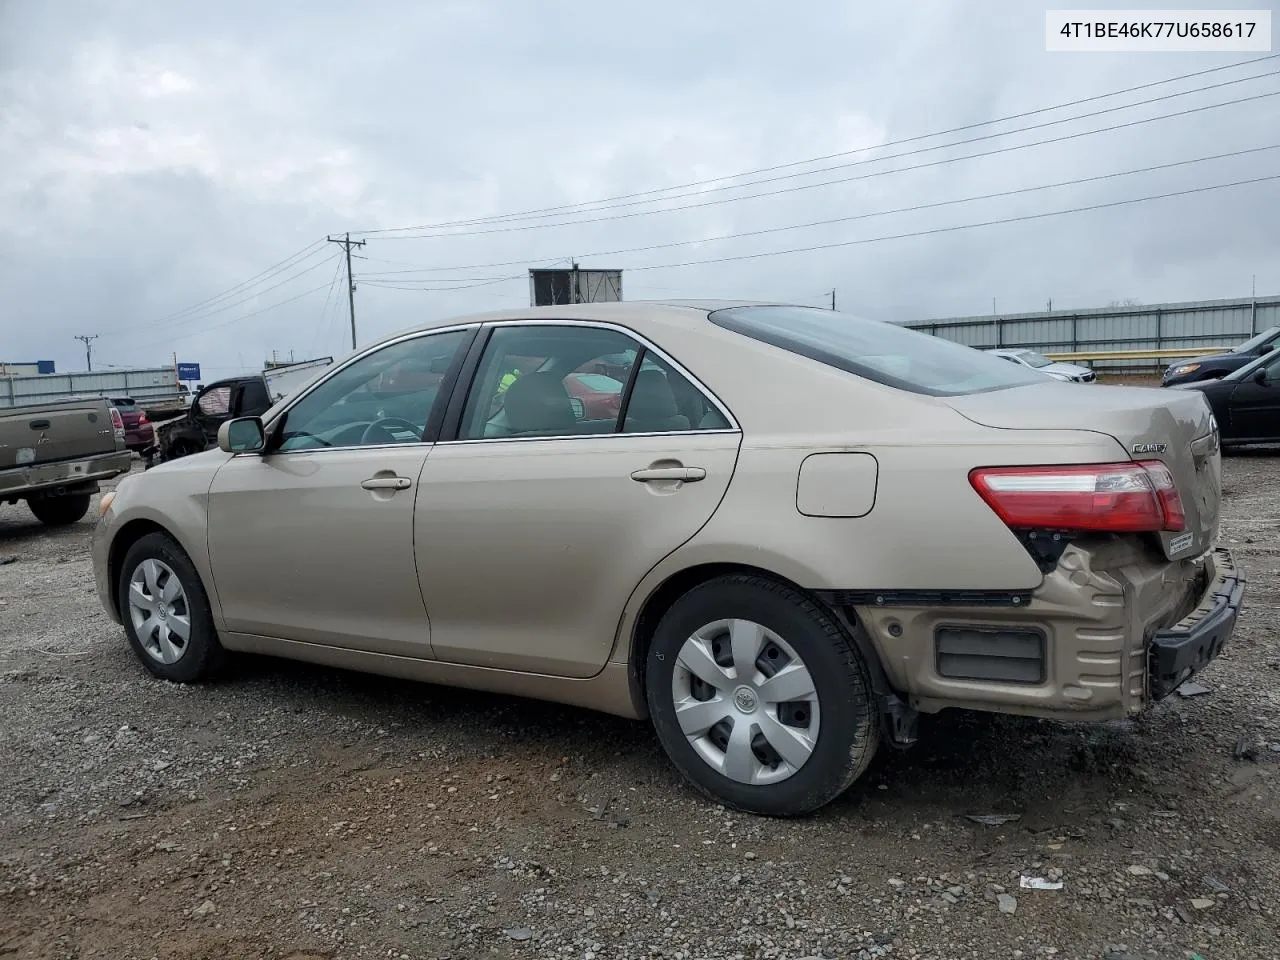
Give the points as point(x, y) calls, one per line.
point(387, 483)
point(687, 474)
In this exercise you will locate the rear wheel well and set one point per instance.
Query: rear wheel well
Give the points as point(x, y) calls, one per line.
point(129, 534)
point(680, 583)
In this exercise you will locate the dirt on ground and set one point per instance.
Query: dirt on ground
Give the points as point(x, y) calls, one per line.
point(299, 812)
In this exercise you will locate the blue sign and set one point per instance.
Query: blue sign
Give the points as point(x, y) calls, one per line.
point(44, 366)
point(188, 371)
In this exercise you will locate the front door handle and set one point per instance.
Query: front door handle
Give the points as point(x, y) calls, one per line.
point(387, 483)
point(687, 474)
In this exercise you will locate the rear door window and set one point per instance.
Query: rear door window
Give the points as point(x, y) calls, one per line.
point(535, 380)
point(884, 352)
point(543, 380)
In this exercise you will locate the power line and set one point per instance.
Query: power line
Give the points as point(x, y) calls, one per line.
point(322, 325)
point(246, 316)
point(488, 281)
point(962, 226)
point(951, 229)
point(565, 209)
point(850, 179)
point(272, 270)
point(206, 314)
point(860, 216)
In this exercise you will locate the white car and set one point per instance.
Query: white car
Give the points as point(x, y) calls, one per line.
point(1059, 371)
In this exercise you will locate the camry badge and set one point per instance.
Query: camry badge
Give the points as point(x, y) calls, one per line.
point(1150, 447)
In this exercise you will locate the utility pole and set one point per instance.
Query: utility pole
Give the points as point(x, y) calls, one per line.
point(1049, 305)
point(833, 299)
point(1253, 296)
point(347, 243)
point(87, 339)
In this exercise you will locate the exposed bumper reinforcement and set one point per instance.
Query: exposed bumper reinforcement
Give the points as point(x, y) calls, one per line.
point(1180, 652)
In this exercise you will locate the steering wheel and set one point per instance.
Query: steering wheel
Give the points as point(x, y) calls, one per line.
point(382, 423)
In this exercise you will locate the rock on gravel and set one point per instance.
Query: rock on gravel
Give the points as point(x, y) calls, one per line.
point(331, 815)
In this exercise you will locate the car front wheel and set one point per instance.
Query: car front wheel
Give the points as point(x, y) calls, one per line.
point(166, 612)
point(760, 697)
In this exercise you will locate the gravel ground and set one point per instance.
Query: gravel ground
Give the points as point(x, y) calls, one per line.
point(298, 812)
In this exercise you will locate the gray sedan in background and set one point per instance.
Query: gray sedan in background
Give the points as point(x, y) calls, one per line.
point(1070, 372)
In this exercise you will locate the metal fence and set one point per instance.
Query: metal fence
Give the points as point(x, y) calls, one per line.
point(1161, 326)
point(144, 384)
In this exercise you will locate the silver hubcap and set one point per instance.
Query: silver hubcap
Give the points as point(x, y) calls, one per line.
point(159, 612)
point(746, 701)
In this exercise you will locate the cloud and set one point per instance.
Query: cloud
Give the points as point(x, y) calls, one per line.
point(156, 155)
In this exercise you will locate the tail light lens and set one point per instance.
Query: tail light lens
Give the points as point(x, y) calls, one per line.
point(117, 421)
point(1104, 498)
point(1167, 493)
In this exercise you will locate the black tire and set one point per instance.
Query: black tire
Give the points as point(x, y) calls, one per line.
point(849, 732)
point(204, 657)
point(60, 511)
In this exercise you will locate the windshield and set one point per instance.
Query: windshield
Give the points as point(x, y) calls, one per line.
point(1033, 359)
point(123, 404)
point(885, 352)
point(1266, 336)
point(1252, 367)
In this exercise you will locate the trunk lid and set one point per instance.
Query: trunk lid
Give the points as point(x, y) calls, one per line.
point(48, 432)
point(1175, 427)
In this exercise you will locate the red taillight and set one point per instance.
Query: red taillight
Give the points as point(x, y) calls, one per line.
point(1106, 497)
point(117, 421)
point(1167, 493)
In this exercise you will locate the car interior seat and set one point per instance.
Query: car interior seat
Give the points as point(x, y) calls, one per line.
point(538, 403)
point(652, 408)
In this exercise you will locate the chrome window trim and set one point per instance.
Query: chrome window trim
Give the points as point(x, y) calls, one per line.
point(734, 425)
point(586, 436)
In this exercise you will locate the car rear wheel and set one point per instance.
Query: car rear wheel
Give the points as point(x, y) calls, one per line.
point(166, 612)
point(60, 511)
point(760, 697)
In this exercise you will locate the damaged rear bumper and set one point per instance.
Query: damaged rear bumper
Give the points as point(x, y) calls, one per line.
point(1177, 653)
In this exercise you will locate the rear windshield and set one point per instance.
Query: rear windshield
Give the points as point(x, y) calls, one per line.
point(599, 382)
point(1033, 359)
point(123, 404)
point(884, 352)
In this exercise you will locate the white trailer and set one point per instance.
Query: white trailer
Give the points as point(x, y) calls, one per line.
point(284, 379)
point(149, 386)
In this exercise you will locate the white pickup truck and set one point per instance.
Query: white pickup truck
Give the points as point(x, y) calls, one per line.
point(53, 455)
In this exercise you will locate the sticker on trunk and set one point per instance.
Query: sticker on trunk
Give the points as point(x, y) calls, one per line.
point(1181, 542)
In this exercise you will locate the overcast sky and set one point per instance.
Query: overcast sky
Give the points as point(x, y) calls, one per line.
point(156, 154)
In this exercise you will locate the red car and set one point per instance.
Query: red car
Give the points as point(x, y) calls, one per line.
point(139, 435)
point(600, 395)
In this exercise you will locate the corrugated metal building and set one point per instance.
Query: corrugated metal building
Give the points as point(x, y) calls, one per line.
point(1158, 326)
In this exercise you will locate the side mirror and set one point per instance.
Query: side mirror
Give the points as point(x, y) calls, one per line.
point(243, 435)
point(1260, 377)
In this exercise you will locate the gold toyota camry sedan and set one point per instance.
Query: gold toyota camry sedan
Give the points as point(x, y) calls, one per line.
point(779, 533)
